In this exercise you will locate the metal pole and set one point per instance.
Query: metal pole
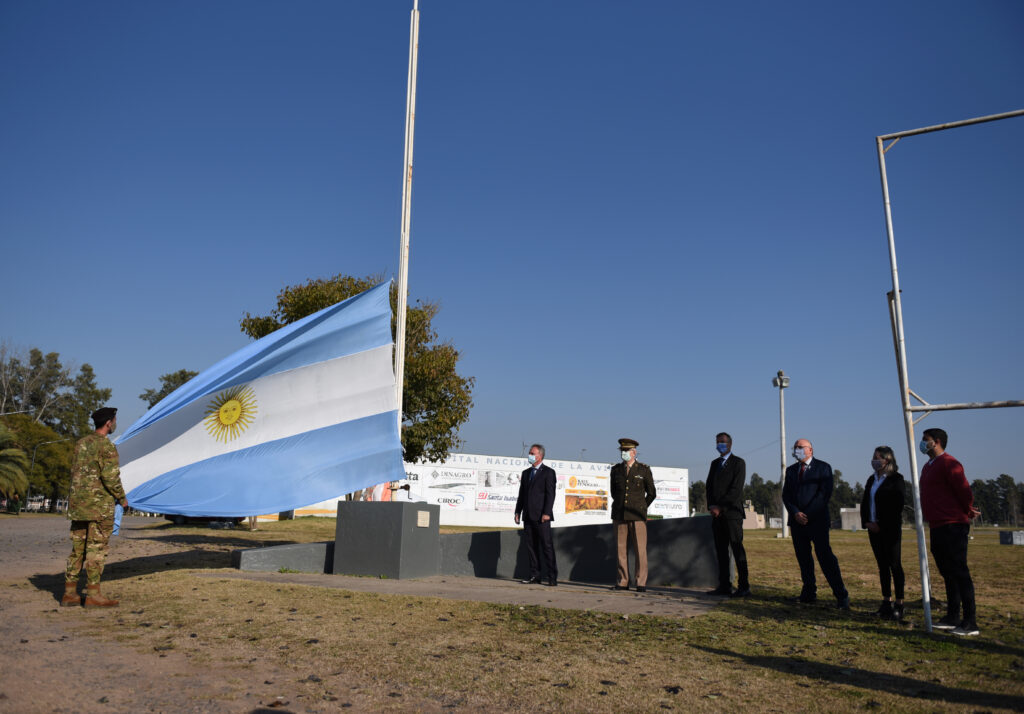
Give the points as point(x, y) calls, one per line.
point(782, 453)
point(403, 254)
point(908, 415)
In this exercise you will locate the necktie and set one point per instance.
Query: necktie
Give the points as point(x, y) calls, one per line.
point(803, 468)
point(533, 472)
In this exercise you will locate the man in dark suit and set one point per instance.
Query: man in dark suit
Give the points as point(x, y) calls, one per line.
point(726, 478)
point(536, 499)
point(805, 494)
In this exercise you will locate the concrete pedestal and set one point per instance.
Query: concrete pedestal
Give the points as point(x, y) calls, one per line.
point(395, 539)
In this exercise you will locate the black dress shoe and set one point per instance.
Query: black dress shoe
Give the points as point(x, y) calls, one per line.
point(551, 583)
point(621, 587)
point(843, 603)
point(741, 592)
point(641, 588)
point(804, 599)
point(531, 581)
point(720, 591)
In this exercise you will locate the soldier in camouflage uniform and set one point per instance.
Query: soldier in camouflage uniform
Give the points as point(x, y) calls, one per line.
point(95, 488)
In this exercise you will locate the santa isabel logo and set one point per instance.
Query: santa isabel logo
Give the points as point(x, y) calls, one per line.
point(230, 413)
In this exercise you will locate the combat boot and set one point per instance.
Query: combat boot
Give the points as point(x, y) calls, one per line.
point(71, 597)
point(93, 598)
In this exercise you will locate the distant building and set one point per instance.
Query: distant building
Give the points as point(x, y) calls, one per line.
point(751, 518)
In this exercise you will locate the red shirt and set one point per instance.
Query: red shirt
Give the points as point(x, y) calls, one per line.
point(946, 496)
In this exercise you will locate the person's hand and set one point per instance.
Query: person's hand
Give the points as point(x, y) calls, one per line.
point(873, 527)
point(974, 513)
point(545, 519)
point(801, 518)
point(715, 511)
point(124, 503)
point(517, 519)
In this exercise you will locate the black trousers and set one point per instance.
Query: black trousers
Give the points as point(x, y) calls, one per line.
point(949, 548)
point(803, 538)
point(887, 547)
point(539, 545)
point(728, 533)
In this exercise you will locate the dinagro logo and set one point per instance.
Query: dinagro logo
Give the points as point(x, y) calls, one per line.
point(451, 501)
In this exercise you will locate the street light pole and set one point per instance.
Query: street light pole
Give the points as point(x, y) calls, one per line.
point(782, 381)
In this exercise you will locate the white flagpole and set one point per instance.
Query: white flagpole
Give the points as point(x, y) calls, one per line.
point(403, 255)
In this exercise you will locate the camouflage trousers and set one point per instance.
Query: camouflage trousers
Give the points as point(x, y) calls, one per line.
point(90, 543)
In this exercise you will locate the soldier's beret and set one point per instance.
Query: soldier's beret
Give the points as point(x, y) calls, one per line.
point(102, 415)
point(628, 443)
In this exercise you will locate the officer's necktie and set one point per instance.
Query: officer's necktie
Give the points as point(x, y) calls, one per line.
point(803, 468)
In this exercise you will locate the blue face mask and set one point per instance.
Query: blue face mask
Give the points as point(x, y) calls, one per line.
point(722, 448)
point(532, 458)
point(798, 454)
point(923, 446)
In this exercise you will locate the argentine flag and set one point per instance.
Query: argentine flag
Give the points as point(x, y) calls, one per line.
point(300, 416)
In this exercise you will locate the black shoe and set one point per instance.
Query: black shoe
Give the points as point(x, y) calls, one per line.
point(551, 583)
point(966, 629)
point(531, 581)
point(721, 590)
point(885, 611)
point(641, 588)
point(843, 603)
point(897, 611)
point(949, 622)
point(804, 599)
point(741, 592)
point(621, 587)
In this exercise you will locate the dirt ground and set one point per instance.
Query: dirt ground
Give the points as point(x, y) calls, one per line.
point(50, 667)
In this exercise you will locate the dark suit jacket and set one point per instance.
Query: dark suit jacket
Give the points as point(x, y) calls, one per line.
point(725, 486)
point(811, 495)
point(538, 498)
point(888, 502)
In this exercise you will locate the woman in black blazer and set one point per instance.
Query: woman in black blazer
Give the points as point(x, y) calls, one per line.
point(881, 512)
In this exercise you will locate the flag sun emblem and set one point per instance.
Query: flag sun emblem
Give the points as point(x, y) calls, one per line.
point(231, 412)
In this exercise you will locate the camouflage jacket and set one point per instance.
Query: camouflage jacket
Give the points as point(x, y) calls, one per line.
point(95, 479)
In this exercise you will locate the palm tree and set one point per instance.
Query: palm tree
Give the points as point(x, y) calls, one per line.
point(13, 465)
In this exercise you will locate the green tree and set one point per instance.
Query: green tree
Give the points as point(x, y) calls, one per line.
point(51, 391)
point(168, 383)
point(50, 473)
point(842, 496)
point(986, 500)
point(698, 497)
point(436, 399)
point(13, 465)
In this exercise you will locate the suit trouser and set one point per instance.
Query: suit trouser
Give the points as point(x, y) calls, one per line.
point(539, 544)
point(803, 538)
point(728, 533)
point(637, 532)
point(949, 548)
point(886, 545)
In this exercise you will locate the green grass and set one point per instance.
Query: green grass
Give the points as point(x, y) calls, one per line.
point(759, 654)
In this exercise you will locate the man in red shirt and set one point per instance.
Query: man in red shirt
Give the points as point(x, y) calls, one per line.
point(948, 505)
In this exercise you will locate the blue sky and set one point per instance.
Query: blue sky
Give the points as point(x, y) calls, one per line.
point(633, 215)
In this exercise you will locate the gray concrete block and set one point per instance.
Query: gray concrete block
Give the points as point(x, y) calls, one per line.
point(396, 539)
point(680, 552)
point(297, 557)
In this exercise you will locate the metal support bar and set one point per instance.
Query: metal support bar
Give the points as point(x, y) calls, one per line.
point(900, 346)
point(968, 405)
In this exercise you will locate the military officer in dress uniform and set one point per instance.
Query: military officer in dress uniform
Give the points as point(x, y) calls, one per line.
point(95, 488)
point(632, 486)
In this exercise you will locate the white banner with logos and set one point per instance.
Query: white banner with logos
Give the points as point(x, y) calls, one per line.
point(479, 490)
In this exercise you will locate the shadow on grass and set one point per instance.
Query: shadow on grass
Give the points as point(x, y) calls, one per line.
point(137, 567)
point(777, 607)
point(877, 681)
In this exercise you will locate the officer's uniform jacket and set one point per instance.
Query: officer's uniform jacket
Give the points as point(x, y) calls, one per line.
point(632, 491)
